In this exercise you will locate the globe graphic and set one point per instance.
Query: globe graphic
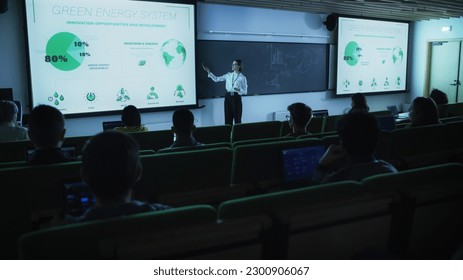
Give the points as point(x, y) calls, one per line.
point(173, 53)
point(397, 55)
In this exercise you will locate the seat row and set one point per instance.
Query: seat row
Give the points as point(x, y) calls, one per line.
point(157, 140)
point(414, 214)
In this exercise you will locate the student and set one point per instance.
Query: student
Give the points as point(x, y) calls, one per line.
point(236, 85)
point(359, 103)
point(46, 132)
point(358, 132)
point(9, 129)
point(423, 111)
point(298, 119)
point(183, 128)
point(111, 167)
point(132, 120)
point(439, 97)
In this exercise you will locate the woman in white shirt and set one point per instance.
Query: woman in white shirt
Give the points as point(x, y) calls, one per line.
point(235, 85)
point(9, 129)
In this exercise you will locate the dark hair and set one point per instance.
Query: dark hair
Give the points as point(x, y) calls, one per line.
point(131, 116)
point(423, 111)
point(46, 126)
point(300, 113)
point(358, 132)
point(240, 64)
point(439, 97)
point(359, 103)
point(183, 120)
point(7, 111)
point(109, 164)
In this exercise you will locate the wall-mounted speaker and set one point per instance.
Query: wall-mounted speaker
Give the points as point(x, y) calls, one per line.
point(331, 22)
point(3, 6)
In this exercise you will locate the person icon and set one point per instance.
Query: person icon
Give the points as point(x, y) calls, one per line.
point(180, 91)
point(236, 85)
point(152, 94)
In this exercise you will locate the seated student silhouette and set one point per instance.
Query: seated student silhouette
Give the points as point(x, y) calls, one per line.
point(423, 111)
point(358, 133)
point(46, 132)
point(132, 120)
point(439, 97)
point(9, 129)
point(359, 103)
point(299, 118)
point(183, 127)
point(111, 167)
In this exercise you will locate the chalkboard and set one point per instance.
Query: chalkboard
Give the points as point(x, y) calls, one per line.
point(270, 68)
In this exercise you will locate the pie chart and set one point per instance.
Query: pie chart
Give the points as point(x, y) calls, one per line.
point(352, 53)
point(65, 51)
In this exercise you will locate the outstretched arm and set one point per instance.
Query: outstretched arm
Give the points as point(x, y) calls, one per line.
point(206, 68)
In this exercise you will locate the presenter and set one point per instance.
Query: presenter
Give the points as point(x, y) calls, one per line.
point(236, 85)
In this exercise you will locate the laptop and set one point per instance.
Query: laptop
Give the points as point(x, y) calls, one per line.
point(396, 113)
point(299, 164)
point(320, 113)
point(110, 125)
point(69, 151)
point(77, 198)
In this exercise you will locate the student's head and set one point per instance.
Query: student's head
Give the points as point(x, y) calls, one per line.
point(439, 97)
point(423, 111)
point(131, 116)
point(300, 115)
point(8, 111)
point(46, 127)
point(237, 65)
point(359, 103)
point(183, 122)
point(111, 165)
point(358, 132)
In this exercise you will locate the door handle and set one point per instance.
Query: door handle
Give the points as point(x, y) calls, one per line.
point(457, 83)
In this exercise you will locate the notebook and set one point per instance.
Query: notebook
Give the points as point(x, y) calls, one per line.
point(77, 198)
point(299, 164)
point(69, 151)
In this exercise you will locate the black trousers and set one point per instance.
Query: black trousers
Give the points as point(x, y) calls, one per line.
point(233, 108)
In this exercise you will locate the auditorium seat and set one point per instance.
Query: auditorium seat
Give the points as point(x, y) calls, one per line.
point(454, 140)
point(261, 164)
point(418, 146)
point(154, 140)
point(330, 221)
point(330, 123)
point(255, 130)
point(195, 148)
point(187, 177)
point(213, 134)
point(428, 220)
point(182, 233)
point(260, 141)
point(33, 196)
point(14, 151)
point(77, 141)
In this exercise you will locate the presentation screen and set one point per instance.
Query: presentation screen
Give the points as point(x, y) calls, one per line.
point(372, 56)
point(98, 56)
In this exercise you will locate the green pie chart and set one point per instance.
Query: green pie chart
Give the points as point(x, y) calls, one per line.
point(352, 53)
point(64, 51)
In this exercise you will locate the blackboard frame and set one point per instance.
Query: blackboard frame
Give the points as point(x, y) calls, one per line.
point(270, 67)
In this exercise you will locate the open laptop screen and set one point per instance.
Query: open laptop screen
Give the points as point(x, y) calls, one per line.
point(77, 198)
point(300, 163)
